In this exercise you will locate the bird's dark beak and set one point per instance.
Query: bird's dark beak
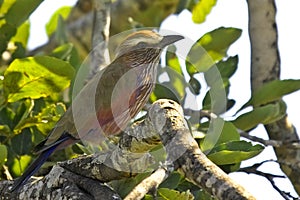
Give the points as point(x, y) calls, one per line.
point(169, 39)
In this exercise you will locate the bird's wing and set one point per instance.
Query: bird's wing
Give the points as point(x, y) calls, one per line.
point(102, 107)
point(81, 118)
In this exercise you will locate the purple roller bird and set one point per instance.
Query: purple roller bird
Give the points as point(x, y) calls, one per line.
point(110, 100)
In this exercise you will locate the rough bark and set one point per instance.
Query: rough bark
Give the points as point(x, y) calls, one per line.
point(265, 67)
point(81, 177)
point(184, 152)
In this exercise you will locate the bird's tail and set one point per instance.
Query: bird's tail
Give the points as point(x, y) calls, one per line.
point(37, 163)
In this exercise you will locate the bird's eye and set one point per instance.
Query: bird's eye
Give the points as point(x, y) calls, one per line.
point(141, 45)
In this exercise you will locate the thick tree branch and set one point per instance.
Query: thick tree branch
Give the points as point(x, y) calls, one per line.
point(165, 118)
point(183, 150)
point(265, 66)
point(265, 60)
point(63, 184)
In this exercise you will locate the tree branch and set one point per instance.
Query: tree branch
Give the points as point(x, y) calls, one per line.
point(150, 183)
point(165, 117)
point(100, 35)
point(273, 143)
point(265, 66)
point(183, 150)
point(254, 170)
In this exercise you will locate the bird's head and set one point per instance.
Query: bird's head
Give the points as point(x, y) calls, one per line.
point(146, 41)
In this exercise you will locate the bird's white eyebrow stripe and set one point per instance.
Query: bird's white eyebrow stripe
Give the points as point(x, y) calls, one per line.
point(135, 41)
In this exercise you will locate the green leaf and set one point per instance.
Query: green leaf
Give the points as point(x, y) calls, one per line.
point(67, 52)
point(210, 48)
point(218, 90)
point(234, 152)
point(230, 167)
point(177, 83)
point(44, 120)
point(60, 32)
point(51, 26)
point(230, 103)
point(22, 143)
point(187, 185)
point(5, 6)
point(169, 194)
point(7, 116)
point(172, 181)
point(62, 52)
point(219, 132)
point(49, 115)
point(124, 186)
point(173, 84)
point(198, 60)
point(19, 165)
point(36, 77)
point(14, 13)
point(184, 4)
point(22, 113)
point(20, 11)
point(19, 52)
point(202, 9)
point(161, 91)
point(217, 42)
point(6, 32)
point(172, 59)
point(22, 34)
point(195, 85)
point(260, 115)
point(272, 91)
point(228, 67)
point(4, 130)
point(197, 192)
point(3, 154)
point(206, 103)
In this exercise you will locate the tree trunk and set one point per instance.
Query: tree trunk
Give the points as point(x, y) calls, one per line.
point(265, 67)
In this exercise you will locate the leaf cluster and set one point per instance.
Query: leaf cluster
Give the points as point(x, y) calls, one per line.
point(33, 89)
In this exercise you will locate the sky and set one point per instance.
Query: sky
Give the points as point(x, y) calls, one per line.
point(231, 13)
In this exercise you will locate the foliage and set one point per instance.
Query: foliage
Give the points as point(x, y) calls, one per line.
point(36, 77)
point(51, 26)
point(33, 94)
point(10, 21)
point(32, 89)
point(202, 9)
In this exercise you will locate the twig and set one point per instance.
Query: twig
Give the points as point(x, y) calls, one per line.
point(100, 35)
point(7, 173)
point(274, 143)
point(202, 113)
point(270, 177)
point(150, 183)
